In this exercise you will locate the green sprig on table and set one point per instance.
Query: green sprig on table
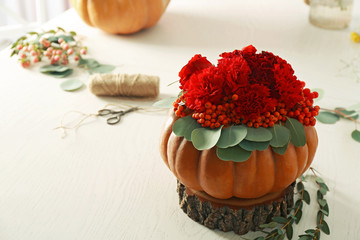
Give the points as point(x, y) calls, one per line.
point(331, 116)
point(280, 227)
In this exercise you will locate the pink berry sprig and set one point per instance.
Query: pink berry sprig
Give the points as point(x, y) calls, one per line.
point(57, 46)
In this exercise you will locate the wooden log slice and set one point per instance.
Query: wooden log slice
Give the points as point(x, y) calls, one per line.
point(234, 214)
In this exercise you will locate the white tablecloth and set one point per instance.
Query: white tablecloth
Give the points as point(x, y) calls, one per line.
point(109, 182)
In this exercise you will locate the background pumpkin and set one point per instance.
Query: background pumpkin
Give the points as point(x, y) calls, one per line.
point(120, 16)
point(263, 173)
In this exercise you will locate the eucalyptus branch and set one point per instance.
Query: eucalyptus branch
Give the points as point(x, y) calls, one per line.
point(296, 214)
point(342, 114)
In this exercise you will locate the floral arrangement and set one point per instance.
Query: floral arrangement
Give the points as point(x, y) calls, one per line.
point(57, 47)
point(247, 102)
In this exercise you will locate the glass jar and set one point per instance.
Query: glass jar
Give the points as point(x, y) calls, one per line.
point(331, 14)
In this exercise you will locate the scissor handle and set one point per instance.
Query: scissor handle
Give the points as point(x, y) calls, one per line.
point(113, 120)
point(104, 112)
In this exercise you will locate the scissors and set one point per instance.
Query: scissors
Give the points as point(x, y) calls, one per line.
point(118, 114)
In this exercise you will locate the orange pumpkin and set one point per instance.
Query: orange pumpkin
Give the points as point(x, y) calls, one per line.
point(120, 16)
point(263, 173)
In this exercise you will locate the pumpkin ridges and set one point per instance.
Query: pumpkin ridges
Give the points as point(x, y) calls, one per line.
point(312, 145)
point(245, 172)
point(122, 12)
point(265, 176)
point(165, 135)
point(154, 12)
point(186, 161)
point(286, 168)
point(120, 16)
point(241, 184)
point(172, 151)
point(302, 154)
point(215, 176)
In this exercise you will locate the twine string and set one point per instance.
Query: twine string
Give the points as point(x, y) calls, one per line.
point(64, 127)
point(130, 85)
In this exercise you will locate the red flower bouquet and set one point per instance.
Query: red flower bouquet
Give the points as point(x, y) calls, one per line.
point(257, 89)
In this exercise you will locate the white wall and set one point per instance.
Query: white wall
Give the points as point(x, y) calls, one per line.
point(27, 10)
point(26, 13)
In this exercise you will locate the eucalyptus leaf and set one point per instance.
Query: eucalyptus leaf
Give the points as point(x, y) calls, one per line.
point(204, 138)
point(319, 180)
point(165, 103)
point(322, 202)
point(356, 135)
point(236, 154)
point(305, 237)
point(53, 68)
point(299, 186)
point(298, 204)
point(289, 231)
point(324, 186)
point(310, 232)
point(53, 39)
point(324, 212)
point(71, 85)
point(231, 136)
point(319, 195)
point(280, 220)
point(324, 227)
point(348, 113)
point(298, 216)
point(184, 126)
point(269, 225)
point(103, 68)
point(280, 150)
point(280, 136)
point(258, 134)
point(297, 132)
point(251, 146)
point(59, 74)
point(322, 191)
point(66, 38)
point(326, 208)
point(89, 63)
point(306, 197)
point(328, 117)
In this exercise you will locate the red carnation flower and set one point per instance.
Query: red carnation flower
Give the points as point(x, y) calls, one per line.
point(253, 101)
point(196, 64)
point(289, 88)
point(235, 73)
point(205, 86)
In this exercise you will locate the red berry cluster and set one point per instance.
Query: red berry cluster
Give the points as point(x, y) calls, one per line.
point(305, 112)
point(214, 116)
point(179, 107)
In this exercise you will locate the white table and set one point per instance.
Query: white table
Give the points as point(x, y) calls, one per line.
point(109, 182)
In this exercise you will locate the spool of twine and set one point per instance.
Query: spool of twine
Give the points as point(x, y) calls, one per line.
point(129, 85)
